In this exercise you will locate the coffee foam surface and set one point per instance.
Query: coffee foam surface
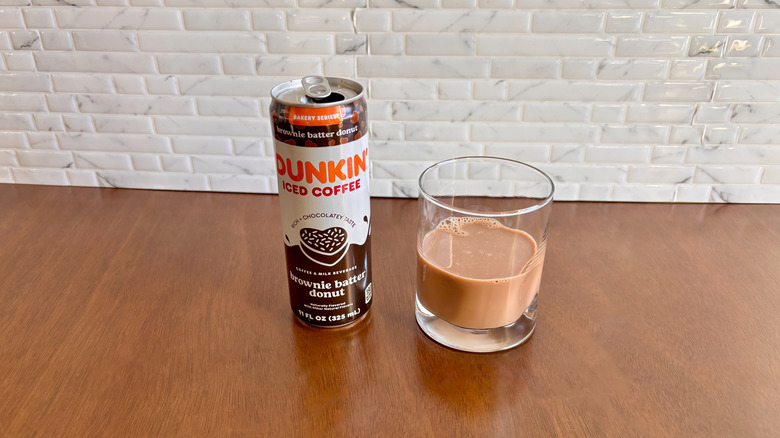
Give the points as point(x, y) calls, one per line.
point(454, 225)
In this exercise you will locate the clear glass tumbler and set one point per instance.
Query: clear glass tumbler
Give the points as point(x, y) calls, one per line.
point(481, 238)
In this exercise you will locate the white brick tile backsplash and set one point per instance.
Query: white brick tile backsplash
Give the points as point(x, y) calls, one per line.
point(556, 112)
point(482, 21)
point(567, 22)
point(95, 62)
point(386, 44)
point(118, 18)
point(11, 18)
point(25, 40)
point(319, 20)
point(113, 142)
point(16, 122)
point(13, 140)
point(300, 43)
point(424, 67)
point(623, 22)
point(129, 84)
point(60, 160)
point(38, 18)
point(680, 21)
point(217, 19)
point(650, 46)
point(525, 68)
point(56, 40)
point(105, 40)
point(202, 42)
point(638, 100)
point(540, 45)
point(768, 21)
point(447, 44)
point(20, 61)
point(278, 65)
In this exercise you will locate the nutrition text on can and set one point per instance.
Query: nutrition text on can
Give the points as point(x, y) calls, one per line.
point(319, 127)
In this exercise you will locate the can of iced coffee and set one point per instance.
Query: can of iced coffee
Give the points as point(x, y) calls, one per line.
point(319, 126)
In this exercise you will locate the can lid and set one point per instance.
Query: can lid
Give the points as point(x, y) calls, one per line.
point(317, 92)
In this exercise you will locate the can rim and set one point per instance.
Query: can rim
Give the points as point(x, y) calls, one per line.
point(334, 83)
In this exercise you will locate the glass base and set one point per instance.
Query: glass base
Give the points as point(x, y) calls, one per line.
point(477, 340)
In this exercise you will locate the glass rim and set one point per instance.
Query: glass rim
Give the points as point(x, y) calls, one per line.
point(542, 203)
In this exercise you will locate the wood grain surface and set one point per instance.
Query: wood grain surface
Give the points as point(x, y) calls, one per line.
point(165, 314)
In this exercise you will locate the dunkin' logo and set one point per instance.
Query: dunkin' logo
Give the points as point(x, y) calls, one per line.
point(324, 171)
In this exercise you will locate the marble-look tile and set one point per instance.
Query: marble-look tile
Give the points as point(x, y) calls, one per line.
point(727, 174)
point(591, 4)
point(252, 147)
point(608, 113)
point(643, 193)
point(660, 113)
point(51, 177)
point(129, 84)
point(386, 44)
point(56, 40)
point(731, 155)
point(440, 44)
point(708, 46)
point(436, 131)
point(16, 122)
point(26, 40)
point(62, 103)
point(580, 173)
point(11, 18)
point(152, 180)
point(215, 42)
point(618, 154)
point(713, 113)
point(686, 135)
point(567, 153)
point(535, 132)
point(692, 193)
point(699, 4)
point(39, 18)
point(268, 20)
point(228, 106)
point(123, 124)
point(655, 46)
point(13, 140)
point(387, 131)
point(567, 22)
point(760, 134)
point(525, 68)
point(319, 20)
point(634, 134)
point(678, 92)
point(238, 64)
point(747, 91)
point(197, 85)
point(687, 69)
point(545, 45)
point(234, 126)
point(216, 19)
point(351, 44)
point(403, 89)
point(113, 142)
point(495, 89)
point(663, 154)
point(676, 22)
point(105, 40)
point(48, 122)
point(444, 20)
point(756, 113)
point(21, 61)
point(78, 123)
point(579, 68)
point(372, 20)
point(392, 150)
point(42, 140)
point(25, 82)
point(176, 163)
point(621, 69)
point(102, 160)
point(95, 62)
point(527, 153)
point(234, 165)
point(332, 3)
point(81, 83)
point(82, 178)
point(454, 89)
point(423, 67)
point(569, 91)
point(736, 21)
point(720, 135)
point(240, 183)
point(768, 21)
point(623, 22)
point(771, 175)
point(595, 192)
point(188, 64)
point(394, 170)
point(119, 18)
point(139, 105)
point(55, 159)
point(661, 174)
point(147, 162)
point(162, 85)
point(8, 158)
point(556, 112)
point(743, 45)
point(415, 4)
point(764, 194)
point(744, 68)
point(287, 65)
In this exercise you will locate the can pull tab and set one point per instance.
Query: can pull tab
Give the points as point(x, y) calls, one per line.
point(316, 87)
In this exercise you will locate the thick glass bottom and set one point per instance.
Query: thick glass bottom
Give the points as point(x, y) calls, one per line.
point(477, 340)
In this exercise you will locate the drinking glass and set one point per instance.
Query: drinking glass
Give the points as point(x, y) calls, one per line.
point(481, 238)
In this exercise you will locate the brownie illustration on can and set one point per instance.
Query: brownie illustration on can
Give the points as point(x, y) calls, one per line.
point(321, 149)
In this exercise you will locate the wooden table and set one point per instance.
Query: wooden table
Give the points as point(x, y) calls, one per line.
point(160, 314)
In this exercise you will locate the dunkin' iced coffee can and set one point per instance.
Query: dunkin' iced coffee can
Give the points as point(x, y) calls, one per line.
point(320, 139)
